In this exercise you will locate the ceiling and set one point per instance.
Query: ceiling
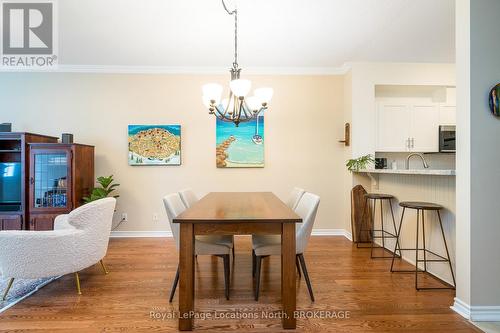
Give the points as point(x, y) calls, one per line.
point(272, 33)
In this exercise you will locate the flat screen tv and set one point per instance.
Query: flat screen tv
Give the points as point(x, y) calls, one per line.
point(10, 183)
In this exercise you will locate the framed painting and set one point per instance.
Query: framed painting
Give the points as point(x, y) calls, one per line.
point(242, 146)
point(154, 145)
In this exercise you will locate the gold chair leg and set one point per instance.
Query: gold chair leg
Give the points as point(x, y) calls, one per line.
point(77, 280)
point(103, 267)
point(7, 289)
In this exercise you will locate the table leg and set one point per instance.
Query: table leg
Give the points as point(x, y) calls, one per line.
point(288, 283)
point(186, 277)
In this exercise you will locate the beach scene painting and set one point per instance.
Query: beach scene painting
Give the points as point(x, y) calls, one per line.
point(242, 146)
point(154, 144)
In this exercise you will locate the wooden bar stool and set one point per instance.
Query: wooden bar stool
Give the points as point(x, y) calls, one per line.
point(421, 207)
point(377, 233)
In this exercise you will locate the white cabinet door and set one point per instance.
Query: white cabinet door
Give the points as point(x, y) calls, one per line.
point(447, 115)
point(393, 126)
point(424, 128)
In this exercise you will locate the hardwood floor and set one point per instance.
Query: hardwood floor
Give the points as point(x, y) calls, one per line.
point(142, 270)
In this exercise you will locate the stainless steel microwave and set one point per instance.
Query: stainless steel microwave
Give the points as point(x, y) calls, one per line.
point(447, 139)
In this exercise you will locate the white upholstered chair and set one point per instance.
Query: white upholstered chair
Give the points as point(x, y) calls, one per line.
point(264, 246)
point(79, 240)
point(204, 245)
point(294, 197)
point(189, 198)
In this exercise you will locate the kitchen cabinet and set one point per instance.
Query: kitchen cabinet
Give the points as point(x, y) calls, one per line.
point(405, 125)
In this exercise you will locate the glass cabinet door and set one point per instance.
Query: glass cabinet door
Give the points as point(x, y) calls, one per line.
point(50, 180)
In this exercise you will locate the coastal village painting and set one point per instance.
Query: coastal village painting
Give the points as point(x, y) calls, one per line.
point(242, 146)
point(154, 144)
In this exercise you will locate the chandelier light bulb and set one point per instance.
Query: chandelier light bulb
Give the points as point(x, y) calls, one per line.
point(240, 87)
point(253, 103)
point(213, 92)
point(264, 95)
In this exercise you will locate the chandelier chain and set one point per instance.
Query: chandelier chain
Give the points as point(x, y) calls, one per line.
point(235, 13)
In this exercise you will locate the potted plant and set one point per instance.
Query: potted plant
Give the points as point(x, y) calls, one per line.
point(360, 163)
point(104, 191)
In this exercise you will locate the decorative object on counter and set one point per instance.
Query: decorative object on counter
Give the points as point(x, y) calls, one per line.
point(5, 127)
point(347, 135)
point(381, 163)
point(358, 219)
point(494, 100)
point(360, 163)
point(154, 145)
point(67, 138)
point(237, 108)
point(394, 165)
point(242, 146)
point(107, 187)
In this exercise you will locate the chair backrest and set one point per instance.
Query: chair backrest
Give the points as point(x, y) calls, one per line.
point(188, 197)
point(95, 219)
point(174, 207)
point(306, 209)
point(294, 197)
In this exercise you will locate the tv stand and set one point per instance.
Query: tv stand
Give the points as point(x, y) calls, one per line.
point(14, 148)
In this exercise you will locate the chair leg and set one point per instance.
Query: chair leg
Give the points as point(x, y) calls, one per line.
point(253, 263)
point(298, 265)
point(174, 285)
point(227, 273)
point(7, 289)
point(77, 280)
point(306, 275)
point(104, 269)
point(233, 249)
point(258, 260)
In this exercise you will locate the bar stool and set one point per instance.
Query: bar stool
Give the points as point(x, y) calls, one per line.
point(421, 207)
point(383, 233)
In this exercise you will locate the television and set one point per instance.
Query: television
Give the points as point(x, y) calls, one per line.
point(10, 183)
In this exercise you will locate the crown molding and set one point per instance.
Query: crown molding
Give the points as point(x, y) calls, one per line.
point(112, 69)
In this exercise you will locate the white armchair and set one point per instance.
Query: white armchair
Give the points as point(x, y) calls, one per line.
point(79, 240)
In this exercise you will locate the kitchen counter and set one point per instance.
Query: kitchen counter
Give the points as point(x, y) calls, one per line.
point(430, 172)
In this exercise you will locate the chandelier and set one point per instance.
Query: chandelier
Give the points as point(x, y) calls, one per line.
point(238, 108)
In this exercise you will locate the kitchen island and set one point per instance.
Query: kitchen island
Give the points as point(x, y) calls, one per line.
point(431, 185)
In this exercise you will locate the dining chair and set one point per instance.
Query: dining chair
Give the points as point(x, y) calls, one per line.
point(204, 245)
point(189, 198)
point(294, 197)
point(267, 245)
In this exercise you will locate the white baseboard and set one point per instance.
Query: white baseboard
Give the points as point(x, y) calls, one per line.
point(476, 312)
point(168, 233)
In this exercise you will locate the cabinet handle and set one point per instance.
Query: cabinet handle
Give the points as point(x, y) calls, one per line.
point(408, 143)
point(413, 142)
point(32, 180)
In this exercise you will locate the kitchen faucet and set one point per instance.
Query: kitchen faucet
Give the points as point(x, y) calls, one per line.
point(419, 155)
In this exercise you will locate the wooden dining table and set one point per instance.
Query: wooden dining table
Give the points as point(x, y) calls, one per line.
point(237, 213)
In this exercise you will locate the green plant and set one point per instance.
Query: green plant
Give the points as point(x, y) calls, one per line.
point(359, 163)
point(104, 191)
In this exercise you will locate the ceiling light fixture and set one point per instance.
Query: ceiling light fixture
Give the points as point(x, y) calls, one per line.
point(237, 108)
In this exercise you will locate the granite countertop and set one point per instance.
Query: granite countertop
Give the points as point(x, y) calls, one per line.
point(430, 172)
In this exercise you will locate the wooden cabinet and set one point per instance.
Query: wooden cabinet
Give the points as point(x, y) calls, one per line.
point(60, 176)
point(406, 124)
point(14, 174)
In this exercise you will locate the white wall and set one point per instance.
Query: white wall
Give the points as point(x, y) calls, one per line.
point(365, 76)
point(303, 124)
point(479, 159)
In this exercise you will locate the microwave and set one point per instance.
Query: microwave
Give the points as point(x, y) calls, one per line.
point(447, 139)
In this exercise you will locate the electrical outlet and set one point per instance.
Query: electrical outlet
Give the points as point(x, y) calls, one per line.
point(155, 217)
point(124, 217)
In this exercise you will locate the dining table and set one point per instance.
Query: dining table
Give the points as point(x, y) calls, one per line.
point(237, 213)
